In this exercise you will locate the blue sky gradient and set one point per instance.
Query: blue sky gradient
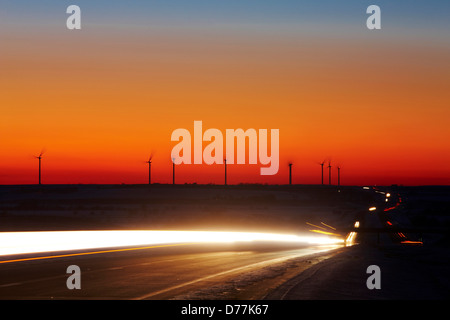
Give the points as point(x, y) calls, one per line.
point(431, 14)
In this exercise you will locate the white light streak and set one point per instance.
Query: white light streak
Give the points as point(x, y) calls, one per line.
point(51, 241)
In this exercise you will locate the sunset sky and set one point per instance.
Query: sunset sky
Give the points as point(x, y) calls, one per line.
point(101, 99)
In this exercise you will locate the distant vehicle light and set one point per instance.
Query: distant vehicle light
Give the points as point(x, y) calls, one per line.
point(412, 242)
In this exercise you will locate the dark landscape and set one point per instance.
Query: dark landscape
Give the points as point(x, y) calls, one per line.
point(407, 236)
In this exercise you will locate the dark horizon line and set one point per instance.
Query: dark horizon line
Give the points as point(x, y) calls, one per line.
point(221, 184)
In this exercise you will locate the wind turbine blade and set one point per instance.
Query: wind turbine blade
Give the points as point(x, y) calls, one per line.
point(152, 153)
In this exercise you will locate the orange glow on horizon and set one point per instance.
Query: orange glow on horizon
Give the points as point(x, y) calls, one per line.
point(101, 104)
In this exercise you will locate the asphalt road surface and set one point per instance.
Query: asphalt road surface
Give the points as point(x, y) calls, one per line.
point(160, 272)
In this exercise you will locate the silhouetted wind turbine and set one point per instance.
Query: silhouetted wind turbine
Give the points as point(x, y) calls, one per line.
point(329, 172)
point(321, 164)
point(173, 170)
point(225, 162)
point(40, 157)
point(290, 172)
point(339, 175)
point(150, 169)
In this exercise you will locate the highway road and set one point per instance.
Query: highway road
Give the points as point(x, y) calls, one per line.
point(174, 271)
point(156, 270)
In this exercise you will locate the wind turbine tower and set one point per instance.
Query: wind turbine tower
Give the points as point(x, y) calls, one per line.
point(339, 176)
point(173, 171)
point(329, 173)
point(149, 169)
point(40, 157)
point(290, 173)
point(225, 162)
point(321, 164)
